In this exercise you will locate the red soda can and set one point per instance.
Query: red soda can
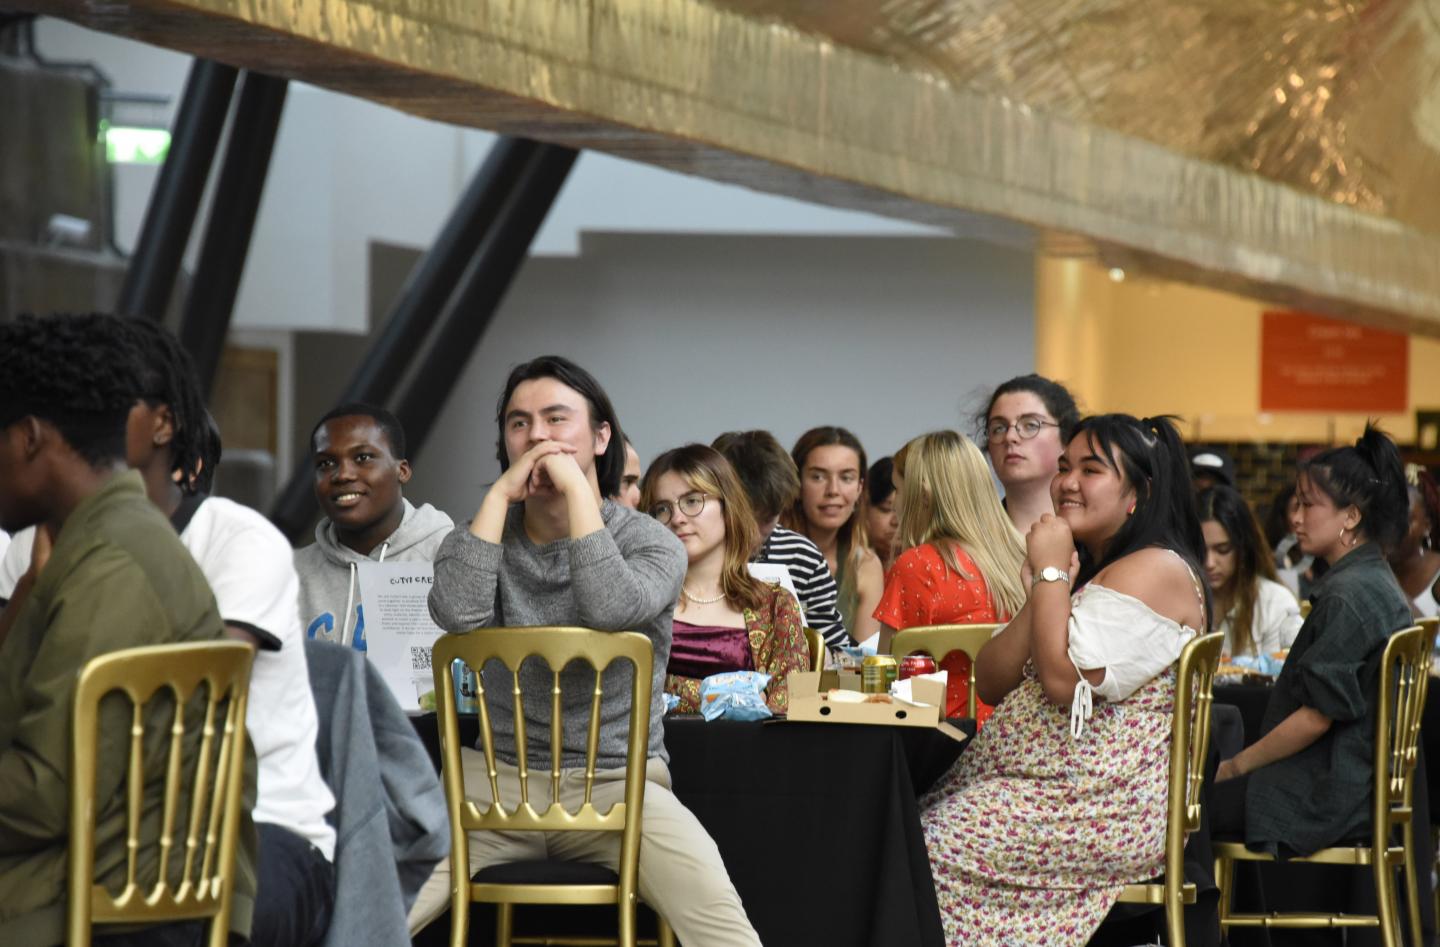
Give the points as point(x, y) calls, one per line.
point(915, 665)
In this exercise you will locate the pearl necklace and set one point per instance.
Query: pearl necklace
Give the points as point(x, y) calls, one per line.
point(700, 601)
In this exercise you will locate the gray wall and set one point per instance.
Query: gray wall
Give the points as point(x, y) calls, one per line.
point(696, 334)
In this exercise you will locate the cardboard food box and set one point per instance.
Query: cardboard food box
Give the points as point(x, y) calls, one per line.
point(810, 701)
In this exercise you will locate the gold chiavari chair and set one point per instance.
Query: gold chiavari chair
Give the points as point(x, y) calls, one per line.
point(817, 649)
point(939, 641)
point(1189, 745)
point(1404, 679)
point(557, 647)
point(202, 790)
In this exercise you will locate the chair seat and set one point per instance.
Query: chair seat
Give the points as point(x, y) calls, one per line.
point(1356, 854)
point(547, 871)
point(1153, 892)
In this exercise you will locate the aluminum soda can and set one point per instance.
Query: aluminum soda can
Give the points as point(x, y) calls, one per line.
point(916, 664)
point(877, 673)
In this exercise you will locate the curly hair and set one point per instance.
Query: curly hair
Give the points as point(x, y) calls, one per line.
point(167, 376)
point(80, 373)
point(1055, 396)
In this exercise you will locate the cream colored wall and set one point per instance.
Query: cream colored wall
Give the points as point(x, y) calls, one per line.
point(1150, 347)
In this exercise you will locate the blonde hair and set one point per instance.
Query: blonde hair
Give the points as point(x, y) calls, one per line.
point(947, 499)
point(708, 471)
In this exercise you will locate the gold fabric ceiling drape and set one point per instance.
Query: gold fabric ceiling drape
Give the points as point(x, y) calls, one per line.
point(1287, 149)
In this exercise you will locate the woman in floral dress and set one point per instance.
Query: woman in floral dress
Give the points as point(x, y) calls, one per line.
point(1060, 801)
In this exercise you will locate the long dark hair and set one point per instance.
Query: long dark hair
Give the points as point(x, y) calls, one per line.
point(1370, 477)
point(1153, 460)
point(1056, 397)
point(1253, 561)
point(609, 466)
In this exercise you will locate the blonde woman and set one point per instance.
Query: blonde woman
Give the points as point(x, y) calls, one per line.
point(961, 556)
point(727, 620)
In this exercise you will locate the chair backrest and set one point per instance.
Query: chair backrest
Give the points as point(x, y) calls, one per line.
point(1189, 744)
point(201, 791)
point(939, 641)
point(817, 649)
point(1305, 609)
point(1404, 679)
point(557, 647)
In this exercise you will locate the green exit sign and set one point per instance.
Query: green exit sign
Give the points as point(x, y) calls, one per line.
point(127, 144)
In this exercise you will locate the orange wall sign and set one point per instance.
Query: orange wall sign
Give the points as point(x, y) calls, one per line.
point(1311, 363)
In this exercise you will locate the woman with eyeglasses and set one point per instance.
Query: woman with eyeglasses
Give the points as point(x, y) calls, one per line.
point(1026, 424)
point(726, 620)
point(831, 512)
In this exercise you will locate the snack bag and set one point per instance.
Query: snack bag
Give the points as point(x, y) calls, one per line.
point(671, 702)
point(734, 695)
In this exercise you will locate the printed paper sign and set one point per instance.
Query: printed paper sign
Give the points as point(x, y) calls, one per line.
point(398, 631)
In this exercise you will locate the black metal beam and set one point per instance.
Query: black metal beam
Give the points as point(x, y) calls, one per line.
point(480, 293)
point(170, 215)
point(434, 276)
point(232, 221)
point(418, 306)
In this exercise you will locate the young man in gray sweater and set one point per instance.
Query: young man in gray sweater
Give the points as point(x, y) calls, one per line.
point(545, 549)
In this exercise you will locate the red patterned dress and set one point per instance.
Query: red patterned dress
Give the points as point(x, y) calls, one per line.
point(921, 589)
point(1035, 831)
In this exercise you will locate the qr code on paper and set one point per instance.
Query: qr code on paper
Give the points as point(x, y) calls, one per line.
point(419, 659)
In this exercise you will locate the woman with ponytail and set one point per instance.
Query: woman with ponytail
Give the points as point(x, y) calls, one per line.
point(1060, 801)
point(1305, 784)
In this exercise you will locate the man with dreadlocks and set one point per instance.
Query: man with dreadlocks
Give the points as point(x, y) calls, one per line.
point(174, 444)
point(107, 572)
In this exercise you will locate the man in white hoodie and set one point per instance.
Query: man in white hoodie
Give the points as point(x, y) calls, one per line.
point(360, 470)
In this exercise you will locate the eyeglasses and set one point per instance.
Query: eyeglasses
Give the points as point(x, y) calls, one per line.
point(1027, 427)
point(691, 504)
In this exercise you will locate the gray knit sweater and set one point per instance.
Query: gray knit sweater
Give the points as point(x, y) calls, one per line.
point(625, 577)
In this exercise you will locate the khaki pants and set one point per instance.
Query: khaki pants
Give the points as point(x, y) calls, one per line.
point(681, 873)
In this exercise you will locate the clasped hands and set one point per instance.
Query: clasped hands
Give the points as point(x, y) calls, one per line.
point(547, 464)
point(1049, 543)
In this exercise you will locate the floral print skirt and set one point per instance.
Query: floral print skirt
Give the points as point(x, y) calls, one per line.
point(1033, 833)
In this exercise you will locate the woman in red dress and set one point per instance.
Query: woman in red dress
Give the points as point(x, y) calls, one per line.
point(961, 556)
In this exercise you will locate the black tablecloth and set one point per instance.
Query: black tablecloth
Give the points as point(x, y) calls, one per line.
point(1261, 887)
point(779, 798)
point(810, 868)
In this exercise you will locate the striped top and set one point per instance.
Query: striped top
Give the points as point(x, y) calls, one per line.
point(816, 586)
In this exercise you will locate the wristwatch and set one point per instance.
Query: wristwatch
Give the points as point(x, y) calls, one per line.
point(1050, 574)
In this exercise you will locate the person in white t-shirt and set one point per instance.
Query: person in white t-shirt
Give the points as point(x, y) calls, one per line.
point(174, 444)
point(1258, 615)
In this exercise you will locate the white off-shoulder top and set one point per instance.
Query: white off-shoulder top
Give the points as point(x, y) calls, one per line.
point(1126, 637)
